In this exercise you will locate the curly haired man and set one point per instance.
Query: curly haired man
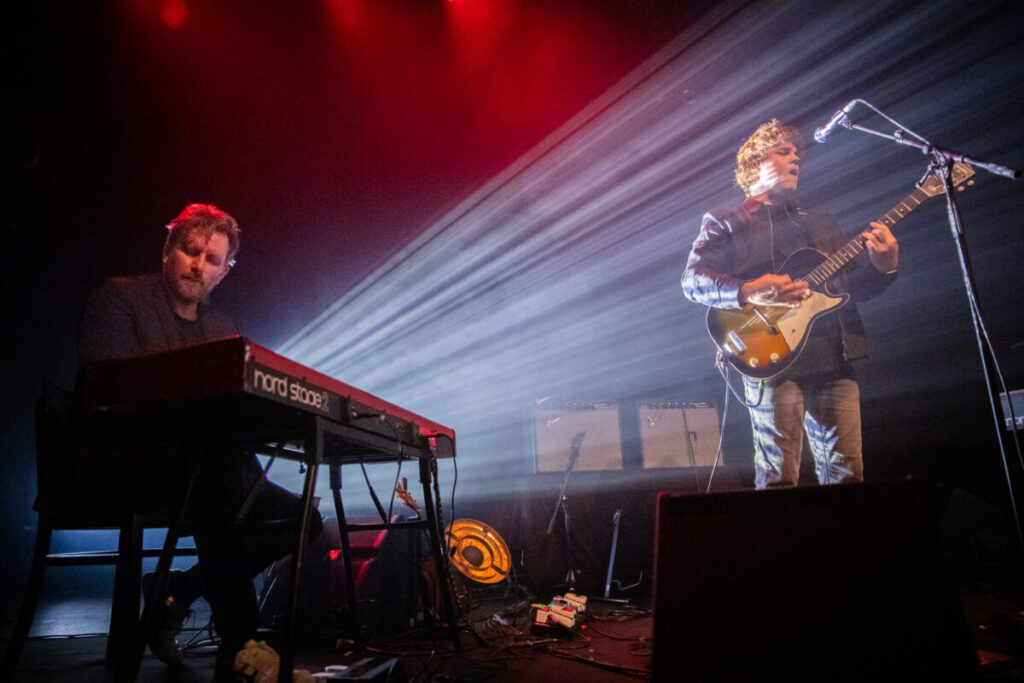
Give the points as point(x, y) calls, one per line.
point(739, 260)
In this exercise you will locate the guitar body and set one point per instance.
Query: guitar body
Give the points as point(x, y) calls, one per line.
point(763, 341)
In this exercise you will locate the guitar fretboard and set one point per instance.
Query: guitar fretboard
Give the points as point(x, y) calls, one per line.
point(847, 252)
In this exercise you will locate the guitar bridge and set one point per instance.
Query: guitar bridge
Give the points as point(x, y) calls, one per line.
point(735, 345)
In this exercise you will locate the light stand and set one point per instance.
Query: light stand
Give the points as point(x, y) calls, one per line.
point(942, 163)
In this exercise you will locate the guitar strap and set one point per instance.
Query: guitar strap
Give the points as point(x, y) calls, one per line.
point(796, 216)
point(788, 238)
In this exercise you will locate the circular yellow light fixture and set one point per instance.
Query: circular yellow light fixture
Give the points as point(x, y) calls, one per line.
point(477, 551)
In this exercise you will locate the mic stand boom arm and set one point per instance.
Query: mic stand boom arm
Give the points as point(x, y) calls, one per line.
point(928, 148)
point(942, 160)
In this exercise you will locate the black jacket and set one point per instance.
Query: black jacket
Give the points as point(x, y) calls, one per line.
point(129, 316)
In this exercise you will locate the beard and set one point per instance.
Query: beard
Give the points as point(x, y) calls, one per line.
point(185, 289)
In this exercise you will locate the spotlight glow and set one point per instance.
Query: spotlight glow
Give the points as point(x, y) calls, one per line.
point(174, 14)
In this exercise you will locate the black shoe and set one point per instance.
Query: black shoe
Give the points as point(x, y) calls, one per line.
point(168, 619)
point(224, 670)
point(230, 676)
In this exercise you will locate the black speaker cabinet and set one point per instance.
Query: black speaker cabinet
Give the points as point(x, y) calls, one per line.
point(840, 583)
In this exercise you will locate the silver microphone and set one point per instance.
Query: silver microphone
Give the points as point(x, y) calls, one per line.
point(839, 118)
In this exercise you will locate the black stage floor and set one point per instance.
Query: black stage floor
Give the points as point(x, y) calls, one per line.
point(495, 644)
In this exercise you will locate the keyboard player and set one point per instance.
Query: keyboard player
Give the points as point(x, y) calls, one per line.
point(128, 316)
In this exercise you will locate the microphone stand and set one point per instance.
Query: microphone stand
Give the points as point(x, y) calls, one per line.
point(942, 162)
point(562, 504)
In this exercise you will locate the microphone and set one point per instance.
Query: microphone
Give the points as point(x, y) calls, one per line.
point(839, 118)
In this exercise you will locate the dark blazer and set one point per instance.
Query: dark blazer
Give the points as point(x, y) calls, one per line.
point(129, 316)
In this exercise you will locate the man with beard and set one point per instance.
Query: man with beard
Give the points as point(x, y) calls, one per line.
point(128, 316)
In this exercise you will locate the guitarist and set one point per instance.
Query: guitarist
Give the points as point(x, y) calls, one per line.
point(736, 260)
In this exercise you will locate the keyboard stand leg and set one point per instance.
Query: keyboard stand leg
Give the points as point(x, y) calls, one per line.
point(438, 546)
point(352, 625)
point(314, 449)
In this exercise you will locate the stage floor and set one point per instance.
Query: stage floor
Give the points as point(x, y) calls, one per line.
point(495, 644)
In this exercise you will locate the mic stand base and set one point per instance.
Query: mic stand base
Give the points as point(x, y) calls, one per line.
point(614, 601)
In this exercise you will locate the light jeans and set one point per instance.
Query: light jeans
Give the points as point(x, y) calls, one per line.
point(827, 409)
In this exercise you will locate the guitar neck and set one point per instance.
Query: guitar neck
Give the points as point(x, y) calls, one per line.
point(851, 249)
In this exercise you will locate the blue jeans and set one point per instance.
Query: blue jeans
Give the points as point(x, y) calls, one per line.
point(825, 408)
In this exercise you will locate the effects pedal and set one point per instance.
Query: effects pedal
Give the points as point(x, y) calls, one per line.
point(563, 612)
point(570, 599)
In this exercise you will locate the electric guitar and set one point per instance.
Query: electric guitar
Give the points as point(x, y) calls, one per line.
point(408, 500)
point(762, 341)
point(457, 588)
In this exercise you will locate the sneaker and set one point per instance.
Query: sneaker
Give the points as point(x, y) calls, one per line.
point(168, 620)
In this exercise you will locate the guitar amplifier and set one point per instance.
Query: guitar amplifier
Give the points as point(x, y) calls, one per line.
point(557, 424)
point(678, 434)
point(1014, 400)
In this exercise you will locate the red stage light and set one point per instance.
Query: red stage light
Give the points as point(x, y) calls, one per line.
point(347, 14)
point(174, 13)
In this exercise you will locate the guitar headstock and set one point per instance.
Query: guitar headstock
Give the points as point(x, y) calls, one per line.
point(407, 498)
point(933, 184)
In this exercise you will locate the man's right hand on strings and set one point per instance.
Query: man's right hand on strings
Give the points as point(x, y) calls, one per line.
point(774, 290)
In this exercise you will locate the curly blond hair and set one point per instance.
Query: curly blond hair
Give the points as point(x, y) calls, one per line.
point(755, 150)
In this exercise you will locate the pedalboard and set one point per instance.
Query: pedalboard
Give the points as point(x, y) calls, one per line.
point(564, 611)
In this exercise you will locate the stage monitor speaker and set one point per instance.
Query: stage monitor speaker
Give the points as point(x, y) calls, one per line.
point(557, 424)
point(840, 583)
point(678, 434)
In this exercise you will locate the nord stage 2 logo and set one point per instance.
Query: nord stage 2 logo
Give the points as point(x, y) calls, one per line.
point(287, 389)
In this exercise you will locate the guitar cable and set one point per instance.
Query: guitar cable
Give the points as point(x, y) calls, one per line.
point(723, 370)
point(721, 441)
